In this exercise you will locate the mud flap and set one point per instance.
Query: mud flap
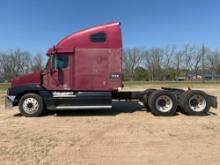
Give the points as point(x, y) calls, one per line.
point(213, 101)
point(9, 102)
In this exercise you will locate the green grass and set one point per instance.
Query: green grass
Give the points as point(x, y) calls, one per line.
point(4, 86)
point(169, 82)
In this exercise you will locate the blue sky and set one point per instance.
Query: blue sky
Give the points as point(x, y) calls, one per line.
point(36, 25)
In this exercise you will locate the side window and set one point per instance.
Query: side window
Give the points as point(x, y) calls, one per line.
point(98, 37)
point(60, 61)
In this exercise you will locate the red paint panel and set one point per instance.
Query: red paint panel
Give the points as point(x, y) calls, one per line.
point(31, 78)
point(115, 67)
point(94, 67)
point(81, 39)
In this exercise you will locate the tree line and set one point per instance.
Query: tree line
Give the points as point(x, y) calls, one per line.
point(153, 64)
point(17, 62)
point(170, 63)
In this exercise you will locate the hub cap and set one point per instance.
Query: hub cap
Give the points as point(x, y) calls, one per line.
point(30, 105)
point(164, 103)
point(197, 103)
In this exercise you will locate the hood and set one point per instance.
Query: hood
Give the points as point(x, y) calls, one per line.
point(31, 78)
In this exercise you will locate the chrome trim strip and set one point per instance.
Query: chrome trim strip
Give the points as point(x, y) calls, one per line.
point(85, 107)
point(63, 94)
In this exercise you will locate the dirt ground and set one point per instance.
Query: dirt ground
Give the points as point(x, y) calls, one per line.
point(126, 135)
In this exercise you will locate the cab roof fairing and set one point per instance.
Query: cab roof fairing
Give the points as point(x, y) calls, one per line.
point(67, 44)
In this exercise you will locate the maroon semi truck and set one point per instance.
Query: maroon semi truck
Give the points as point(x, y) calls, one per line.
point(84, 71)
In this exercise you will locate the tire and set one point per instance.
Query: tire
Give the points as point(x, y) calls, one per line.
point(195, 103)
point(162, 103)
point(31, 105)
point(145, 97)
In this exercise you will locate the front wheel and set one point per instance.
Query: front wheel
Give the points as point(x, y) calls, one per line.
point(162, 103)
point(31, 105)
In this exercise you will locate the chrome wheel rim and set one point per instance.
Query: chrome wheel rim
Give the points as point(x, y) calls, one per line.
point(164, 103)
point(30, 105)
point(197, 103)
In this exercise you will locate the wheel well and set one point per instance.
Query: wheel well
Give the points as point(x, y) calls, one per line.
point(18, 97)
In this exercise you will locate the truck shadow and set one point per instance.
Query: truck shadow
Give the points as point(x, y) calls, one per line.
point(117, 108)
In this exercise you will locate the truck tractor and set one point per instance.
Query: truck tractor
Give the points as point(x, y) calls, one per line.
point(84, 71)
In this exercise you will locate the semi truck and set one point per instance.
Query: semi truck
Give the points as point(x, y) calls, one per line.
point(84, 71)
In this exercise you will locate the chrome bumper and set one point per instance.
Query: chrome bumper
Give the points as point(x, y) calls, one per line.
point(9, 102)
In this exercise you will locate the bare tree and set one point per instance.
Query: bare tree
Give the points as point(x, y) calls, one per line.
point(5, 67)
point(132, 59)
point(188, 51)
point(154, 62)
point(169, 52)
point(38, 62)
point(14, 63)
point(178, 59)
point(213, 61)
point(197, 62)
point(22, 60)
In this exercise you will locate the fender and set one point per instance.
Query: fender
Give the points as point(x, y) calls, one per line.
point(15, 91)
point(79, 99)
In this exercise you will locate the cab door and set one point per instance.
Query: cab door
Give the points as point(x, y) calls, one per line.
point(58, 77)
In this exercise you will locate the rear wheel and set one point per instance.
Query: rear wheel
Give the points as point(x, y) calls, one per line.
point(162, 103)
point(31, 105)
point(195, 102)
point(145, 97)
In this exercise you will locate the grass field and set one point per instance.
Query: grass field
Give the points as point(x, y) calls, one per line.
point(171, 83)
point(4, 86)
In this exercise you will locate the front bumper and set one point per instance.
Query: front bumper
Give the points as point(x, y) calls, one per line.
point(9, 102)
